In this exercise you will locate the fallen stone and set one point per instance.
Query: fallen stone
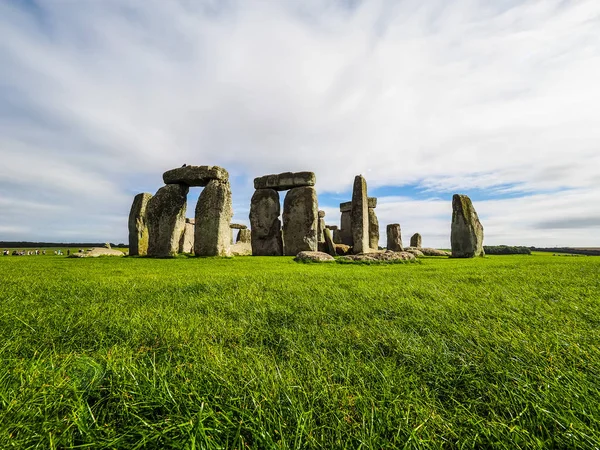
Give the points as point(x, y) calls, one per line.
point(195, 175)
point(341, 249)
point(165, 215)
point(244, 236)
point(466, 237)
point(314, 257)
point(285, 181)
point(241, 249)
point(379, 256)
point(138, 226)
point(373, 229)
point(434, 252)
point(300, 221)
point(186, 243)
point(417, 252)
point(394, 237)
point(265, 224)
point(415, 240)
point(213, 214)
point(360, 216)
point(95, 252)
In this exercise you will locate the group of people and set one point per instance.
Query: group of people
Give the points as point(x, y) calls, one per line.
point(24, 252)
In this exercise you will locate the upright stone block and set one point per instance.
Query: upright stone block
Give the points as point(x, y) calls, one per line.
point(265, 226)
point(346, 229)
point(213, 215)
point(244, 236)
point(300, 221)
point(394, 237)
point(416, 241)
point(360, 216)
point(373, 229)
point(186, 243)
point(466, 235)
point(329, 244)
point(337, 236)
point(321, 227)
point(138, 226)
point(166, 219)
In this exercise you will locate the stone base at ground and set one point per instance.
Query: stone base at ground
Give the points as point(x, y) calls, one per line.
point(379, 256)
point(342, 249)
point(241, 249)
point(417, 252)
point(314, 256)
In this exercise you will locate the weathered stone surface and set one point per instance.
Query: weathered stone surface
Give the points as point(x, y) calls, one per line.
point(138, 227)
point(321, 214)
point(345, 234)
point(415, 240)
point(237, 226)
point(373, 229)
point(97, 251)
point(313, 256)
point(337, 236)
point(360, 216)
point(379, 256)
point(195, 175)
point(300, 220)
point(321, 227)
point(331, 227)
point(285, 181)
point(265, 224)
point(372, 201)
point(347, 206)
point(466, 235)
point(192, 221)
point(166, 218)
point(241, 249)
point(213, 214)
point(417, 252)
point(244, 236)
point(394, 237)
point(341, 249)
point(329, 244)
point(433, 252)
point(186, 243)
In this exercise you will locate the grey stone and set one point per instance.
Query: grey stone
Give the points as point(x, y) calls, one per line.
point(300, 220)
point(346, 229)
point(285, 181)
point(337, 236)
point(237, 226)
point(379, 256)
point(346, 207)
point(321, 214)
point(433, 252)
point(360, 216)
point(329, 244)
point(241, 249)
point(394, 237)
point(195, 175)
point(415, 240)
point(166, 219)
point(138, 227)
point(321, 227)
point(244, 236)
point(331, 227)
point(373, 229)
point(213, 214)
point(186, 243)
point(94, 252)
point(265, 225)
point(372, 202)
point(466, 237)
point(417, 252)
point(314, 257)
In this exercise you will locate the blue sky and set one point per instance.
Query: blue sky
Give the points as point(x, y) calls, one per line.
point(497, 100)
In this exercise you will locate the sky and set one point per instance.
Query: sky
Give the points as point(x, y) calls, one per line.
point(497, 100)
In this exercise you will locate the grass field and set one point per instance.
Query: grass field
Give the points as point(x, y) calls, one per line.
point(495, 352)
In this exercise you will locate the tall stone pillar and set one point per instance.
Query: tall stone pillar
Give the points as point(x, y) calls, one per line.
point(186, 243)
point(265, 226)
point(138, 227)
point(373, 229)
point(165, 214)
point(300, 220)
point(415, 240)
point(466, 235)
point(360, 216)
point(321, 228)
point(213, 215)
point(394, 237)
point(345, 233)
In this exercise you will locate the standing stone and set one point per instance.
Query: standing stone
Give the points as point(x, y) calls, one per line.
point(321, 227)
point(345, 233)
point(337, 236)
point(373, 229)
point(213, 214)
point(466, 235)
point(138, 227)
point(329, 244)
point(360, 216)
point(244, 236)
point(186, 243)
point(166, 219)
point(265, 226)
point(300, 221)
point(415, 240)
point(394, 238)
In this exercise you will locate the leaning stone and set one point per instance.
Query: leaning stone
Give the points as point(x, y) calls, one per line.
point(166, 219)
point(466, 235)
point(265, 224)
point(300, 221)
point(186, 243)
point(285, 181)
point(195, 175)
point(394, 237)
point(329, 244)
point(237, 226)
point(373, 229)
point(213, 214)
point(138, 227)
point(244, 236)
point(360, 216)
point(314, 257)
point(415, 240)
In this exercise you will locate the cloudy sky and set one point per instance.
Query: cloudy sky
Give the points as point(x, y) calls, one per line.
point(498, 99)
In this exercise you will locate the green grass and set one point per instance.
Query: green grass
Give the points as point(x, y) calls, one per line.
point(495, 352)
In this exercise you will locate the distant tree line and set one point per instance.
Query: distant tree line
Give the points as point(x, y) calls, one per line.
point(21, 244)
point(506, 250)
point(574, 251)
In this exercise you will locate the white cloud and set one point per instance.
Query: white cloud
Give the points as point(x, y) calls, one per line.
point(97, 99)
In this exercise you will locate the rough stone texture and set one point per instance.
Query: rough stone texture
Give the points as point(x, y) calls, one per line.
point(244, 236)
point(394, 237)
point(195, 175)
point(314, 257)
point(415, 240)
point(165, 215)
point(265, 224)
point(466, 235)
point(417, 252)
point(433, 252)
point(237, 226)
point(192, 221)
point(372, 201)
point(321, 227)
point(213, 214)
point(329, 244)
point(345, 207)
point(345, 234)
point(186, 243)
point(97, 251)
point(321, 214)
point(138, 228)
point(331, 227)
point(285, 181)
point(360, 216)
point(341, 249)
point(300, 220)
point(337, 236)
point(379, 256)
point(241, 249)
point(373, 229)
